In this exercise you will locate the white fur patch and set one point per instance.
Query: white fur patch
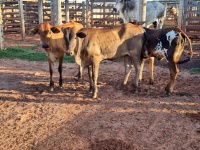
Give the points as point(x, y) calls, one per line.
point(170, 36)
point(160, 50)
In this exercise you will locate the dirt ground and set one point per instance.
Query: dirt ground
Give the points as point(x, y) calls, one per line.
point(33, 118)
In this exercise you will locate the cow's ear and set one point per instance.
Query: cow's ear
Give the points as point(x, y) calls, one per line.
point(81, 34)
point(63, 29)
point(55, 30)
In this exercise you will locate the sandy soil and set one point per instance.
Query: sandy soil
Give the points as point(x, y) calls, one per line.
point(33, 118)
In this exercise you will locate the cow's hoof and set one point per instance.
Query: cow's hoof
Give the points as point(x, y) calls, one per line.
point(168, 91)
point(140, 80)
point(151, 82)
point(51, 89)
point(135, 91)
point(76, 79)
point(90, 90)
point(94, 96)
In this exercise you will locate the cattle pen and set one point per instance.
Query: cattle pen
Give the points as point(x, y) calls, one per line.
point(19, 16)
point(33, 116)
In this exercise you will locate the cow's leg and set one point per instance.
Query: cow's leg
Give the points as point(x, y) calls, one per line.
point(95, 71)
point(91, 78)
point(51, 64)
point(60, 70)
point(128, 68)
point(137, 64)
point(173, 68)
point(151, 68)
point(80, 69)
point(80, 73)
point(141, 69)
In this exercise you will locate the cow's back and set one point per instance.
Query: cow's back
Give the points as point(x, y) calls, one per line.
point(112, 42)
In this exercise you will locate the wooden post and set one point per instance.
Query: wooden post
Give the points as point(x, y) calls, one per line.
point(21, 14)
point(92, 6)
point(87, 14)
point(137, 7)
point(1, 30)
point(40, 11)
point(52, 13)
point(56, 12)
point(66, 11)
point(83, 13)
point(143, 11)
point(181, 9)
point(104, 12)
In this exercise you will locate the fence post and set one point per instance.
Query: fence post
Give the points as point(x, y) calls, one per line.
point(40, 10)
point(92, 9)
point(87, 14)
point(21, 14)
point(143, 11)
point(66, 11)
point(1, 27)
point(181, 8)
point(137, 6)
point(83, 13)
point(56, 12)
point(1, 30)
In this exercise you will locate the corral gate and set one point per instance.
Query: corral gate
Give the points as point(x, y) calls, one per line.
point(94, 13)
point(191, 18)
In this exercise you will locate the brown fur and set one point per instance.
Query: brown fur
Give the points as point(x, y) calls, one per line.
point(151, 59)
point(94, 45)
point(54, 45)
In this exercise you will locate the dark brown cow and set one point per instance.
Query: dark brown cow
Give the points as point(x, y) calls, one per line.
point(167, 43)
point(54, 45)
point(90, 46)
point(151, 59)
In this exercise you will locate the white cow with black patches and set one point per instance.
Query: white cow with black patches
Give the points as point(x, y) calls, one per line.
point(167, 43)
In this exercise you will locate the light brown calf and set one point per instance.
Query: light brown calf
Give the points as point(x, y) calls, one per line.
point(54, 45)
point(90, 46)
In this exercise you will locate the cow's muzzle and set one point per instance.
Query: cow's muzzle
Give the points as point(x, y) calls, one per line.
point(114, 9)
point(69, 53)
point(45, 46)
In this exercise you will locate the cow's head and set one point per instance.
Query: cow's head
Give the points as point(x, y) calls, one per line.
point(45, 30)
point(122, 5)
point(70, 39)
point(172, 10)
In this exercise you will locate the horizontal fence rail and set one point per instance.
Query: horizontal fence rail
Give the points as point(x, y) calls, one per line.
point(95, 13)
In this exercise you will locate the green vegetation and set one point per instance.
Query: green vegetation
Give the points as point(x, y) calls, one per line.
point(27, 54)
point(195, 70)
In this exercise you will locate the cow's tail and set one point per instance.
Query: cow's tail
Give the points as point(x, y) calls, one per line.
point(190, 46)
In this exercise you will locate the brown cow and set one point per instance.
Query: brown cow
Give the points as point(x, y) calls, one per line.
point(90, 46)
point(54, 45)
point(167, 43)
